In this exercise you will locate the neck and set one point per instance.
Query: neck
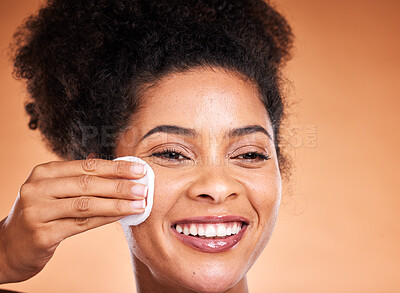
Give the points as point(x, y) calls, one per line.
point(147, 281)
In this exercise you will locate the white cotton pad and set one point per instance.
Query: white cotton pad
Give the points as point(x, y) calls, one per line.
point(148, 180)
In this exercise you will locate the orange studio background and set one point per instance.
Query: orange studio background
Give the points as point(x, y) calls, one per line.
point(338, 228)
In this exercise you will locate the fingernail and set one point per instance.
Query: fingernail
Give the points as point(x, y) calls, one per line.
point(138, 204)
point(138, 169)
point(139, 189)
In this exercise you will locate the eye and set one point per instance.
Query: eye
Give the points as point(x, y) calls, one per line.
point(170, 155)
point(253, 156)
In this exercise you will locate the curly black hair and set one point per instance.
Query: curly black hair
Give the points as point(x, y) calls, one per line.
point(86, 62)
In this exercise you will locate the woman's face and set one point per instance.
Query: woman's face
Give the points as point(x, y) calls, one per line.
point(209, 138)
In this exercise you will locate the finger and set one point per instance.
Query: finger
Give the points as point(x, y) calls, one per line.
point(86, 207)
point(89, 166)
point(65, 228)
point(87, 185)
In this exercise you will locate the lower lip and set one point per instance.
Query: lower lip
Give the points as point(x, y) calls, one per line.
point(211, 244)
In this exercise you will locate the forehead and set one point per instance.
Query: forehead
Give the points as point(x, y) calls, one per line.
point(203, 99)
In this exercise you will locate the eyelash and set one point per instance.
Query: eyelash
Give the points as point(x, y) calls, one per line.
point(167, 151)
point(259, 156)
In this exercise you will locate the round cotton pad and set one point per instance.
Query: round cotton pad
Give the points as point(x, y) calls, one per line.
point(148, 180)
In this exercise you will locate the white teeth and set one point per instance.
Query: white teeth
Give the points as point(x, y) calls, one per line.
point(234, 227)
point(186, 230)
point(193, 230)
point(201, 231)
point(221, 231)
point(210, 231)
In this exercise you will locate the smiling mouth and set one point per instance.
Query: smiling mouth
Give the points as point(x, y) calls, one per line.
point(211, 234)
point(215, 231)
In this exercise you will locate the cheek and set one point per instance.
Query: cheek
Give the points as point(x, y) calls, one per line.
point(269, 195)
point(167, 190)
point(265, 196)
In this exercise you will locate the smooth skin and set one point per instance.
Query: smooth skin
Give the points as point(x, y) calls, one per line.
point(61, 199)
point(206, 173)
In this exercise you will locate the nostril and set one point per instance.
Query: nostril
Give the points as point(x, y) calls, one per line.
point(210, 198)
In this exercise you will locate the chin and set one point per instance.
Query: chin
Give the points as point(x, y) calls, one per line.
point(215, 283)
point(215, 272)
point(211, 287)
point(209, 279)
point(197, 271)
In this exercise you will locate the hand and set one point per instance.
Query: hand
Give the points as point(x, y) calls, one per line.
point(61, 199)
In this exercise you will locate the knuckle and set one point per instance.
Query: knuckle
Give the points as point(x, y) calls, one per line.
point(81, 221)
point(30, 216)
point(119, 206)
point(119, 187)
point(84, 182)
point(27, 192)
point(41, 239)
point(81, 204)
point(38, 170)
point(26, 189)
point(89, 164)
point(43, 170)
point(120, 169)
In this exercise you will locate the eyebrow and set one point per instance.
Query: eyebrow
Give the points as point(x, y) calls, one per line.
point(189, 132)
point(241, 131)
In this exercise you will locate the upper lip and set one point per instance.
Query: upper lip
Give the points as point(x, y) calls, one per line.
point(212, 219)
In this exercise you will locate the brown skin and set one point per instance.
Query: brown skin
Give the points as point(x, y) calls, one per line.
point(58, 200)
point(211, 177)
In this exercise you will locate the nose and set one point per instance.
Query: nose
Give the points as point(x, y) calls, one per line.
point(214, 184)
